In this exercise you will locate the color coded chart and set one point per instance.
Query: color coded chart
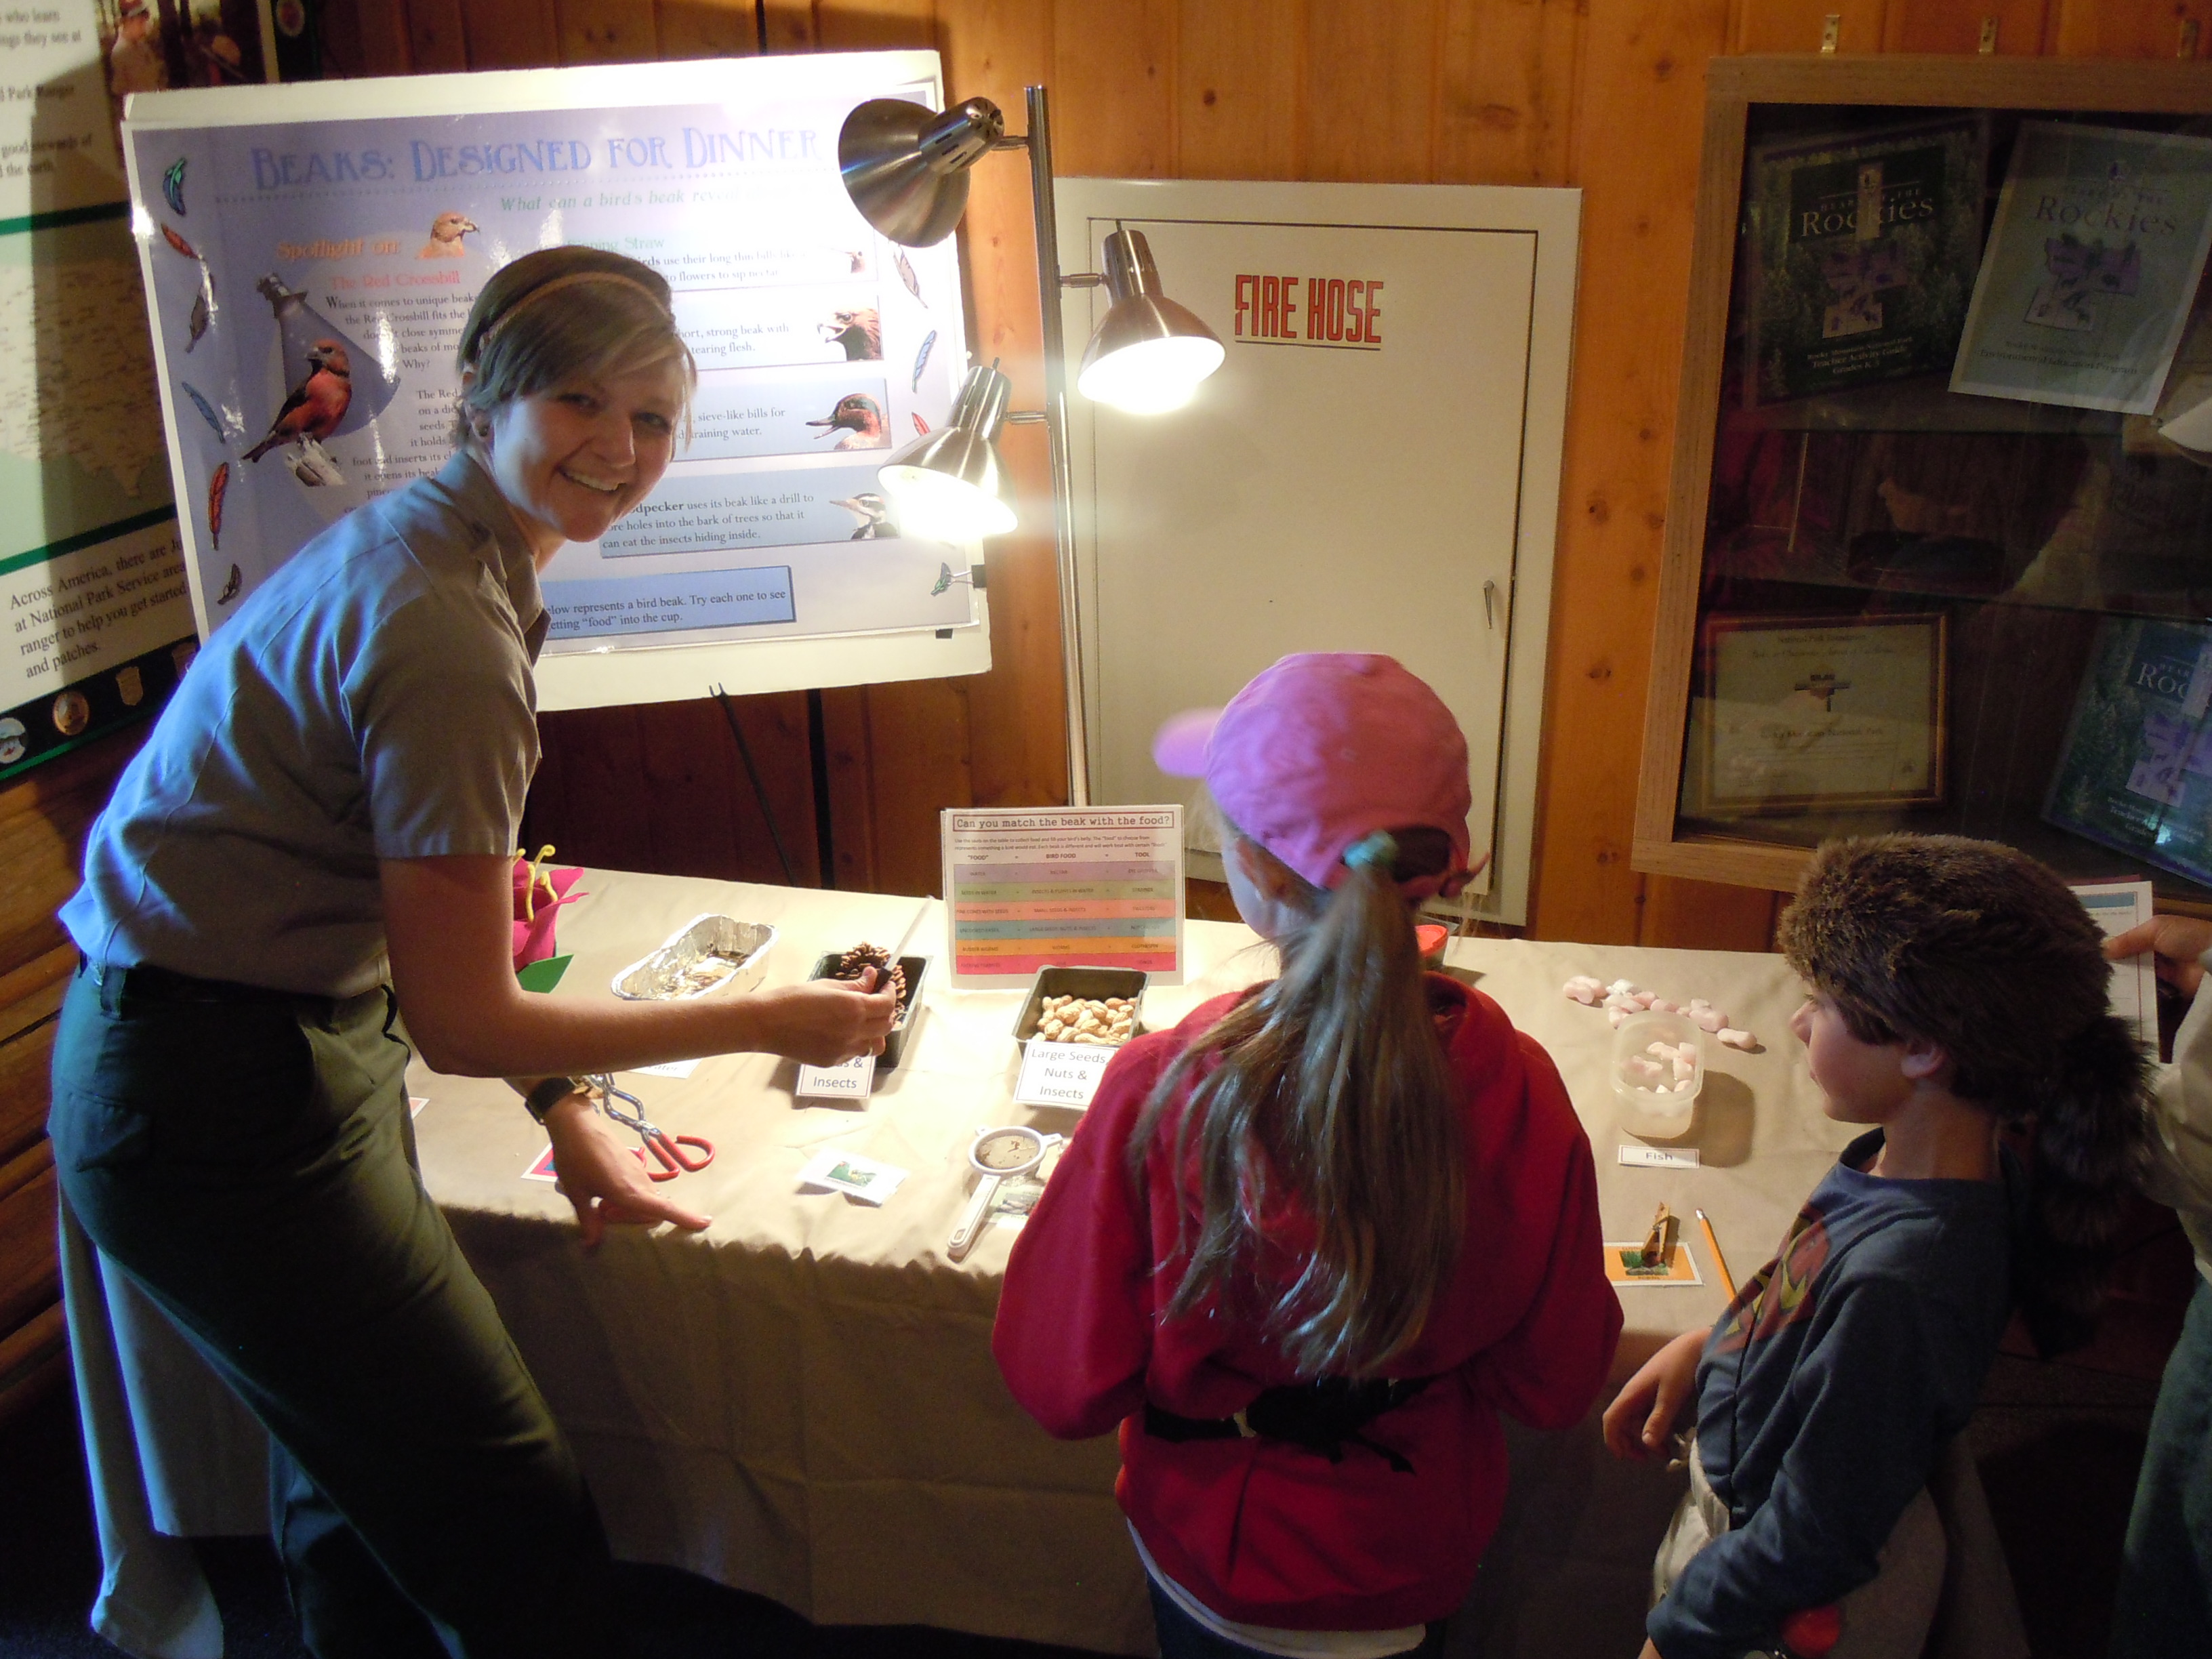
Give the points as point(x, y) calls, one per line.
point(1098, 887)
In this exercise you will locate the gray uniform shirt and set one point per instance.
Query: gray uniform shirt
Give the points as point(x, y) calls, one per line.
point(372, 700)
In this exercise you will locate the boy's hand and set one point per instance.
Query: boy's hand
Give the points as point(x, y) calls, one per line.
point(1643, 1413)
point(2178, 941)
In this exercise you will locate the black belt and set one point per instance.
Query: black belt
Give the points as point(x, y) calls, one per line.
point(1323, 1417)
point(147, 983)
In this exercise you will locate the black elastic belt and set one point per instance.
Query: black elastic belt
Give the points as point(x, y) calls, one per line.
point(146, 983)
point(1323, 1417)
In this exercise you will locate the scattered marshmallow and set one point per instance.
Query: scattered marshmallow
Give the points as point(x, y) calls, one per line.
point(1622, 999)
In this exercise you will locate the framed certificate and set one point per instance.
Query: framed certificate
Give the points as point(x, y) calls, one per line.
point(1803, 713)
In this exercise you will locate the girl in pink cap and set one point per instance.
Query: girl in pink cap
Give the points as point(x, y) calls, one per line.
point(1307, 1245)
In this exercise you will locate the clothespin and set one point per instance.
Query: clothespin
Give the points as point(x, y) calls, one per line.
point(1659, 1242)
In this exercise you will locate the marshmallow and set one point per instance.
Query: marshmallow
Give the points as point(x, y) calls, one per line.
point(1709, 1019)
point(1661, 1005)
point(1614, 1016)
point(1736, 1039)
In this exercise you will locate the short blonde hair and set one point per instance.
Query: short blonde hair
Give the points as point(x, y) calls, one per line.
point(562, 314)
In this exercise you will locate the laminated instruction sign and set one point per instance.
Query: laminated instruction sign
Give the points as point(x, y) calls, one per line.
point(312, 253)
point(92, 576)
point(1074, 887)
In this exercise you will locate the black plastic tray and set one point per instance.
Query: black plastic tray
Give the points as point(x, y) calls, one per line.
point(894, 1044)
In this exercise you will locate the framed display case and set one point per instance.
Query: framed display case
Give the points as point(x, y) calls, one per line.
point(1938, 551)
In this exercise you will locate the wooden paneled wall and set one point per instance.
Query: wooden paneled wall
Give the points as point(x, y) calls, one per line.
point(1606, 94)
point(1603, 93)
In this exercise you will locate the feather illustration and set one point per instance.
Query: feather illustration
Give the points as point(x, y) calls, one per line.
point(178, 243)
point(206, 410)
point(921, 359)
point(906, 274)
point(199, 322)
point(173, 185)
point(922, 426)
point(218, 487)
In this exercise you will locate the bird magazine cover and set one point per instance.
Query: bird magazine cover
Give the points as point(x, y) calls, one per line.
point(309, 277)
point(2135, 772)
point(1861, 254)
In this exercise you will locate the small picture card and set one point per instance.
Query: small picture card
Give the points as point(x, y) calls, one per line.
point(1624, 1265)
point(541, 1167)
point(669, 1068)
point(867, 1179)
point(1061, 1073)
point(849, 1082)
point(1659, 1158)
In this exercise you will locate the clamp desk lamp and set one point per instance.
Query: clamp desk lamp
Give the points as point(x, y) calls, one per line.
point(905, 167)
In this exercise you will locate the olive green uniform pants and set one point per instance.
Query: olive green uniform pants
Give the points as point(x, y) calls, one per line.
point(247, 1159)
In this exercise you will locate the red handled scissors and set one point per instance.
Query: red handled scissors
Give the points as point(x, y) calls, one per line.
point(668, 1150)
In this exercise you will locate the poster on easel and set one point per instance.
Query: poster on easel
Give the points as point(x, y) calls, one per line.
point(91, 579)
point(310, 255)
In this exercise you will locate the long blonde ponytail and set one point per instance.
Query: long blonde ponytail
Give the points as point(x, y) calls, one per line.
point(1333, 1099)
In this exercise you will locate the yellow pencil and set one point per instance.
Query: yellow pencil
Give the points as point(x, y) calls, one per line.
point(1720, 1261)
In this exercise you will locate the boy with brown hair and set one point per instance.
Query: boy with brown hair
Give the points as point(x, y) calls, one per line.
point(1957, 989)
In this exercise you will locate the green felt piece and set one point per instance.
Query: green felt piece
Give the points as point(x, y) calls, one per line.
point(543, 976)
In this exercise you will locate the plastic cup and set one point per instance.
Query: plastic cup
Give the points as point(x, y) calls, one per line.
point(1659, 1104)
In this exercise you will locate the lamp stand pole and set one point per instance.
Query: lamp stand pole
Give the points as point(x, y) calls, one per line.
point(1039, 144)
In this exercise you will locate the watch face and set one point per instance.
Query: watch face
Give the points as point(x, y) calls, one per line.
point(1006, 1149)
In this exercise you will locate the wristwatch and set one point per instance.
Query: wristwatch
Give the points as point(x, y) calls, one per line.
point(550, 1092)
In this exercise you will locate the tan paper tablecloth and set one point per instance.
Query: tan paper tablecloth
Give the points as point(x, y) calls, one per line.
point(801, 1401)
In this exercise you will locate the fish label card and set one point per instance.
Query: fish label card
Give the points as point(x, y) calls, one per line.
point(850, 1082)
point(1659, 1158)
point(867, 1179)
point(1061, 1073)
point(1624, 1265)
point(1074, 887)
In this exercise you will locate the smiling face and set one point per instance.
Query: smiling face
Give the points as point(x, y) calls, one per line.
point(572, 460)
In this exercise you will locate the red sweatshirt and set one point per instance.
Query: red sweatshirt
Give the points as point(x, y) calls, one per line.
point(1259, 1530)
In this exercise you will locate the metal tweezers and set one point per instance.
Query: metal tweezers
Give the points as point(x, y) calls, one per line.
point(667, 1150)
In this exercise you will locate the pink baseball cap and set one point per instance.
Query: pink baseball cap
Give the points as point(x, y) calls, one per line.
point(1323, 749)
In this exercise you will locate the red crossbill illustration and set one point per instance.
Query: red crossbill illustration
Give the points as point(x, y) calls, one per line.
point(316, 405)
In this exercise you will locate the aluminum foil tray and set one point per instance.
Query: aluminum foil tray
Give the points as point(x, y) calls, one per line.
point(707, 953)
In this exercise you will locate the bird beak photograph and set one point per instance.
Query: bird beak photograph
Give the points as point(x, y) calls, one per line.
point(858, 421)
point(446, 231)
point(859, 332)
point(874, 514)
